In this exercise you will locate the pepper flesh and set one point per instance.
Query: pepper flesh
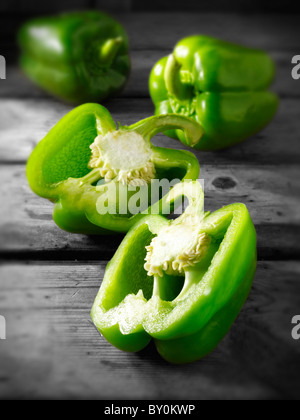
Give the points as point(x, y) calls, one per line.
point(186, 308)
point(224, 87)
point(78, 57)
point(81, 164)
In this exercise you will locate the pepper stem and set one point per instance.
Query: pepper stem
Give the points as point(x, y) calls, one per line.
point(177, 82)
point(109, 49)
point(149, 127)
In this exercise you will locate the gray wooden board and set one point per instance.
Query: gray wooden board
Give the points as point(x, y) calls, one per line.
point(160, 31)
point(246, 6)
point(34, 6)
point(272, 197)
point(25, 122)
point(53, 350)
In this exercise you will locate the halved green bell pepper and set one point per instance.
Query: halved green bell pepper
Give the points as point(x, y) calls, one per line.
point(78, 57)
point(222, 86)
point(198, 274)
point(92, 171)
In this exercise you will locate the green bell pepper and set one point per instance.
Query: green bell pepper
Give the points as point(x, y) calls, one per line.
point(198, 274)
point(92, 171)
point(78, 57)
point(222, 86)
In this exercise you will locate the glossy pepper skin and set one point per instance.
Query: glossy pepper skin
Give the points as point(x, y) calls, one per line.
point(222, 86)
point(62, 170)
point(188, 294)
point(77, 57)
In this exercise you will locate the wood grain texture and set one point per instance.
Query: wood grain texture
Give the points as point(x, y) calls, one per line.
point(273, 200)
point(35, 6)
point(53, 350)
point(49, 278)
point(116, 6)
point(154, 5)
point(244, 6)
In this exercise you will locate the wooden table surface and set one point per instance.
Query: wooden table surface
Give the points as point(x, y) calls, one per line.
point(49, 279)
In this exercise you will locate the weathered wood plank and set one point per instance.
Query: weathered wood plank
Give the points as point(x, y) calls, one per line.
point(24, 123)
point(52, 349)
point(116, 6)
point(18, 86)
point(144, 60)
point(155, 5)
point(158, 31)
point(37, 363)
point(37, 7)
point(19, 122)
point(271, 194)
point(34, 6)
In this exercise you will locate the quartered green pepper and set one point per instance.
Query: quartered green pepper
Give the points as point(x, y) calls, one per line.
point(78, 57)
point(92, 171)
point(198, 274)
point(222, 86)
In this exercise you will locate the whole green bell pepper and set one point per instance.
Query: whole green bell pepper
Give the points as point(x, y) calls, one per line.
point(78, 57)
point(198, 274)
point(92, 171)
point(222, 86)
